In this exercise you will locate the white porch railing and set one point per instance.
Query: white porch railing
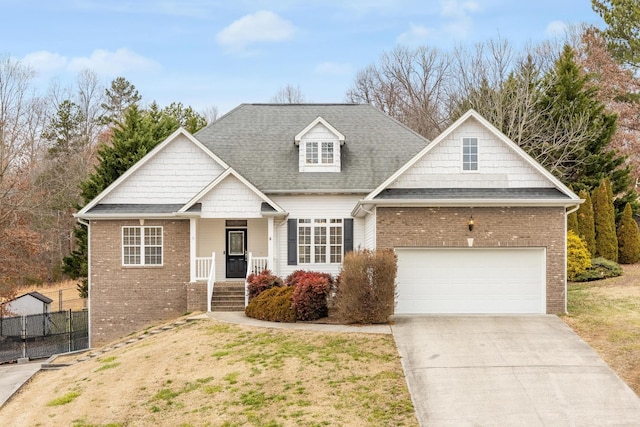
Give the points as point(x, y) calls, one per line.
point(255, 265)
point(211, 279)
point(203, 267)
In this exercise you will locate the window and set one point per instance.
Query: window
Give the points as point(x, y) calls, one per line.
point(141, 245)
point(325, 156)
point(469, 154)
point(320, 241)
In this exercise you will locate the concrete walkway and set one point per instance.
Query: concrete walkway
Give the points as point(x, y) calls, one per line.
point(14, 376)
point(508, 371)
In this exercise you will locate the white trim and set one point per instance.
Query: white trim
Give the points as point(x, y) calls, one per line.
point(143, 161)
point(219, 179)
point(142, 245)
point(192, 248)
point(462, 169)
point(502, 137)
point(325, 123)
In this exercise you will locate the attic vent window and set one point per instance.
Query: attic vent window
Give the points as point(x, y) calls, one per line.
point(469, 154)
point(323, 155)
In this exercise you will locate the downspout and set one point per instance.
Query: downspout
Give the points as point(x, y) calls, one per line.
point(566, 295)
point(88, 225)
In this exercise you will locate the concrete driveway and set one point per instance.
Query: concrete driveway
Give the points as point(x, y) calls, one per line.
point(508, 371)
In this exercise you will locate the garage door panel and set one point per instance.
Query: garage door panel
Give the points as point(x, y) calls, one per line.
point(471, 280)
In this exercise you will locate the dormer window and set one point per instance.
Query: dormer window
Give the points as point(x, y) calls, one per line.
point(319, 147)
point(325, 156)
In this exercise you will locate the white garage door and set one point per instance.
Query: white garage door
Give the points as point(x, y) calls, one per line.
point(471, 280)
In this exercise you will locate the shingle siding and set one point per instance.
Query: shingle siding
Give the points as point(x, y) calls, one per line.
point(494, 227)
point(124, 299)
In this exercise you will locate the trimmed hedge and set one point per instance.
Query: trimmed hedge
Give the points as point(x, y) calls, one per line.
point(274, 305)
point(310, 295)
point(258, 283)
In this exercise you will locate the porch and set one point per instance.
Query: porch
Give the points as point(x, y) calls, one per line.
point(224, 252)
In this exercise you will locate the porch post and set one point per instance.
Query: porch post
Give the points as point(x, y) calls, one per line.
point(270, 245)
point(192, 248)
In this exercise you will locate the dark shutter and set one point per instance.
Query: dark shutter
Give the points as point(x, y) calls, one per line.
point(348, 235)
point(292, 241)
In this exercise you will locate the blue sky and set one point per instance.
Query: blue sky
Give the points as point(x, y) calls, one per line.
point(223, 53)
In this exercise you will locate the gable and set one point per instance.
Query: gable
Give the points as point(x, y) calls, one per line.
point(324, 143)
point(230, 198)
point(173, 175)
point(499, 166)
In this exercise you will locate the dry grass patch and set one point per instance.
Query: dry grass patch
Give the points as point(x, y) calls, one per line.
point(606, 314)
point(213, 374)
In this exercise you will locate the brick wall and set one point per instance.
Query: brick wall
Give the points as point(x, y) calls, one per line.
point(197, 296)
point(494, 227)
point(126, 299)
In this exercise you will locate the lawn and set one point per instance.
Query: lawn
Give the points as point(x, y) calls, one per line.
point(207, 373)
point(606, 314)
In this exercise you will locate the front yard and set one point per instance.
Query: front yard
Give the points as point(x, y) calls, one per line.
point(606, 314)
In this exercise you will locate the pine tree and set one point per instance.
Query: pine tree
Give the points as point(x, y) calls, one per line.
point(628, 238)
point(120, 97)
point(586, 229)
point(604, 220)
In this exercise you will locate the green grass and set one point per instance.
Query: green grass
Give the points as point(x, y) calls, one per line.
point(65, 399)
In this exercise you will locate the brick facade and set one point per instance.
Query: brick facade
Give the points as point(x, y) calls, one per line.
point(125, 299)
point(494, 227)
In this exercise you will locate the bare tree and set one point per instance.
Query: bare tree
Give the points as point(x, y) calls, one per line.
point(409, 85)
point(289, 95)
point(210, 114)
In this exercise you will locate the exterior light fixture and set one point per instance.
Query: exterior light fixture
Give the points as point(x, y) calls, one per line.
point(471, 223)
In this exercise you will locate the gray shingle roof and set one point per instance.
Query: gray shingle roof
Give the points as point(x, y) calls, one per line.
point(257, 140)
point(472, 193)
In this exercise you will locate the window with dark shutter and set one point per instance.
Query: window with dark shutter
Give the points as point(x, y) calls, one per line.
point(292, 241)
point(348, 235)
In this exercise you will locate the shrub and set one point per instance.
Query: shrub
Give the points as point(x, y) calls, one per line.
point(601, 268)
point(310, 295)
point(628, 238)
point(294, 278)
point(274, 305)
point(585, 222)
point(605, 222)
point(578, 257)
point(258, 283)
point(366, 293)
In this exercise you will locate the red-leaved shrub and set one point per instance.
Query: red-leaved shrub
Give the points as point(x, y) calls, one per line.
point(258, 283)
point(310, 294)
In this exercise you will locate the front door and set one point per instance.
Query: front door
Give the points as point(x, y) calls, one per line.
point(236, 253)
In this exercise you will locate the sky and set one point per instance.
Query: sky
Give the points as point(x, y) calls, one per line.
point(210, 53)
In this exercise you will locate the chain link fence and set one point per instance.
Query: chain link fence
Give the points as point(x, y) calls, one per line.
point(38, 336)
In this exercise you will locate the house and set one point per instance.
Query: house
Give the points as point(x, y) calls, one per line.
point(478, 226)
point(29, 303)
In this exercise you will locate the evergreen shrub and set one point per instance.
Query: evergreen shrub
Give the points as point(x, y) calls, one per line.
point(258, 283)
point(628, 238)
point(601, 268)
point(310, 295)
point(273, 305)
point(578, 257)
point(366, 290)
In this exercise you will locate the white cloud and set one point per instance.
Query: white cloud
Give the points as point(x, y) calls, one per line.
point(416, 34)
point(259, 27)
point(555, 28)
point(458, 14)
point(333, 68)
point(113, 63)
point(45, 62)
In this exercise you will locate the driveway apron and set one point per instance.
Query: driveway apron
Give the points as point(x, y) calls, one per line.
point(508, 371)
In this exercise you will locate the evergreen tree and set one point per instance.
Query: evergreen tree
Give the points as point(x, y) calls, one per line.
point(623, 33)
point(604, 220)
point(572, 222)
point(120, 97)
point(586, 229)
point(572, 106)
point(628, 238)
point(189, 119)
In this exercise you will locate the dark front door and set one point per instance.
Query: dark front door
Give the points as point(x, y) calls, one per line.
point(236, 253)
